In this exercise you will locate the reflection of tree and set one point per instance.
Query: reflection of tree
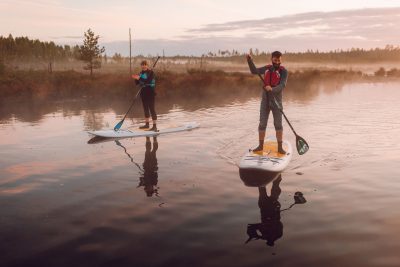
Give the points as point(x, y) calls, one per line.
point(93, 120)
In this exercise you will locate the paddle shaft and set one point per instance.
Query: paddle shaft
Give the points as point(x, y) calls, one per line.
point(133, 102)
point(277, 104)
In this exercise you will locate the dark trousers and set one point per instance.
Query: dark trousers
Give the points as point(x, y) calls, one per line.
point(148, 100)
point(265, 108)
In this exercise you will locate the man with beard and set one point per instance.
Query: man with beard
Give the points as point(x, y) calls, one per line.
point(275, 78)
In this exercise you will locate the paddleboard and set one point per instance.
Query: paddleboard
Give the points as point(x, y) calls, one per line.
point(124, 133)
point(269, 159)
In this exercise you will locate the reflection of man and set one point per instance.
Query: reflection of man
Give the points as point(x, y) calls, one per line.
point(271, 227)
point(149, 178)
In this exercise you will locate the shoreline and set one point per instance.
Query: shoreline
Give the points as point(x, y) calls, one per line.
point(196, 83)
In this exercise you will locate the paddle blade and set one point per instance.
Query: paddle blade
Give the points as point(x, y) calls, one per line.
point(119, 124)
point(299, 198)
point(302, 146)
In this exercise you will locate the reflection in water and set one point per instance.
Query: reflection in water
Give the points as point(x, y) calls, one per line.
point(149, 175)
point(94, 110)
point(118, 143)
point(149, 169)
point(271, 228)
point(99, 139)
point(82, 203)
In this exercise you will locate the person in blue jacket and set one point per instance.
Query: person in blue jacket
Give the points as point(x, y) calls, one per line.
point(146, 79)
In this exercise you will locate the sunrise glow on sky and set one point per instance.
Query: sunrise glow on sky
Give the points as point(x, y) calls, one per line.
point(197, 26)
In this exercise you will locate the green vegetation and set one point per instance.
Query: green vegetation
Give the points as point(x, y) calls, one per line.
point(2, 67)
point(381, 72)
point(196, 83)
point(354, 55)
point(393, 72)
point(176, 76)
point(90, 52)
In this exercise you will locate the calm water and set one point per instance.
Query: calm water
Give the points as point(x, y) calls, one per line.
point(180, 201)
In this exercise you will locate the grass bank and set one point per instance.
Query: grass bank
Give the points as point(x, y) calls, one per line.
point(192, 84)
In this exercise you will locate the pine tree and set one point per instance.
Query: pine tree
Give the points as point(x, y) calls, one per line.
point(117, 57)
point(90, 52)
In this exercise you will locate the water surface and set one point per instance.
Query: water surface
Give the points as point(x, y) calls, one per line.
point(179, 200)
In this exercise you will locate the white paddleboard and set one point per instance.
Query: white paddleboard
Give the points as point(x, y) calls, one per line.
point(269, 159)
point(123, 133)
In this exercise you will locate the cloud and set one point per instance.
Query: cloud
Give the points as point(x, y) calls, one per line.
point(375, 21)
point(362, 28)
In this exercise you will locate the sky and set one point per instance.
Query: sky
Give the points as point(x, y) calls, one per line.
point(198, 26)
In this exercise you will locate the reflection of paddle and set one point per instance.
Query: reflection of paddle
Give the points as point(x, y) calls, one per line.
point(118, 143)
point(298, 199)
point(301, 144)
point(119, 124)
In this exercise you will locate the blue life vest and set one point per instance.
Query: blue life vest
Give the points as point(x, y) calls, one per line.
point(152, 84)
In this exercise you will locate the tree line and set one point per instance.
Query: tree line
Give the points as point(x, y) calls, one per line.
point(389, 53)
point(27, 49)
point(24, 48)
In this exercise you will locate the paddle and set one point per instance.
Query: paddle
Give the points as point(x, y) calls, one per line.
point(119, 124)
point(118, 143)
point(301, 144)
point(298, 199)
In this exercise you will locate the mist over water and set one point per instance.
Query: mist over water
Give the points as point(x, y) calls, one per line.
point(179, 200)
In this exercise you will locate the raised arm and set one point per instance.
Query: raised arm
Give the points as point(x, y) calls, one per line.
point(253, 68)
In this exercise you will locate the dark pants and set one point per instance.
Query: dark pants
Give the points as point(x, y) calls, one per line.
point(265, 108)
point(148, 101)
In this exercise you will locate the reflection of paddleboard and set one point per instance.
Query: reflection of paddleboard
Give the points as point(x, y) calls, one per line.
point(256, 177)
point(269, 159)
point(139, 133)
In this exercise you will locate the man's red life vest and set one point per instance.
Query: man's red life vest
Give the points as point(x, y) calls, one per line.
point(272, 78)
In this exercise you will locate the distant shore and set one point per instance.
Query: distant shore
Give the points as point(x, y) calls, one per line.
point(193, 83)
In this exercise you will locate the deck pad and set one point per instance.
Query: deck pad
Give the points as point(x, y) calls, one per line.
point(269, 159)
